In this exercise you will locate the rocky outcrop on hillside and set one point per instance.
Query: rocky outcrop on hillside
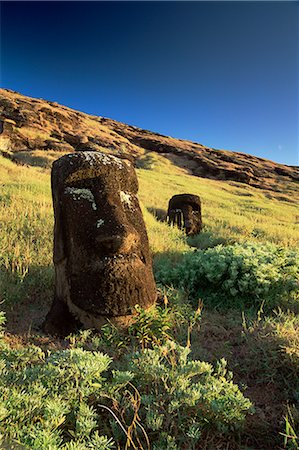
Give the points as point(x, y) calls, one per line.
point(37, 125)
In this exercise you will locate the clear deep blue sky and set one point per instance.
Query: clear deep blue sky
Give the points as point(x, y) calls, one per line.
point(224, 74)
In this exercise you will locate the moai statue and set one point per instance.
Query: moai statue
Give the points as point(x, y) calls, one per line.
point(184, 211)
point(103, 266)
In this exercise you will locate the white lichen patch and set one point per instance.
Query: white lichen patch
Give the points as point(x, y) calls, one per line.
point(96, 157)
point(126, 198)
point(100, 222)
point(78, 194)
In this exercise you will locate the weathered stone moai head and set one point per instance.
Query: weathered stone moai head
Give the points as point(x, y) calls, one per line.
point(184, 210)
point(103, 266)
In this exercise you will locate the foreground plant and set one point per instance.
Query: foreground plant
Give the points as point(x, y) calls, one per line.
point(188, 395)
point(291, 435)
point(74, 399)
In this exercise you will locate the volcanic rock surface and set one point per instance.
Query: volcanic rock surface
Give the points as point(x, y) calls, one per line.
point(35, 125)
point(103, 266)
point(184, 211)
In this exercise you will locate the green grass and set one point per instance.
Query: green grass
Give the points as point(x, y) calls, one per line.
point(26, 231)
point(231, 211)
point(261, 348)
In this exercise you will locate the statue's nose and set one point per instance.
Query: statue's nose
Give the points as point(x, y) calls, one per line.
point(122, 242)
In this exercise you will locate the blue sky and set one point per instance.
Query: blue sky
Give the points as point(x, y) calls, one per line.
point(224, 74)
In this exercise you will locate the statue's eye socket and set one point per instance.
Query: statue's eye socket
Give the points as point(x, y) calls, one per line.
point(78, 194)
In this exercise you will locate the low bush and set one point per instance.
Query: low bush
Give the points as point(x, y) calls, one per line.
point(75, 399)
point(186, 395)
point(239, 274)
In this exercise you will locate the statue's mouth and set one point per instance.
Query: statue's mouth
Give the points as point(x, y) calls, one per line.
point(111, 285)
point(123, 257)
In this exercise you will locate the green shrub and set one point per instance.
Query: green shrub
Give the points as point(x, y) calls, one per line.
point(45, 399)
point(172, 318)
point(236, 274)
point(73, 399)
point(151, 325)
point(189, 395)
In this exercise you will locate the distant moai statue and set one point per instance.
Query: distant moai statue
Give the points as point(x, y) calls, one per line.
point(184, 211)
point(103, 266)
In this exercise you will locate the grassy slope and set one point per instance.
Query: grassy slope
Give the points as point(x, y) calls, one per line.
point(262, 351)
point(231, 211)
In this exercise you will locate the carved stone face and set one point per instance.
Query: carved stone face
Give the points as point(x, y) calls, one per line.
point(184, 210)
point(101, 252)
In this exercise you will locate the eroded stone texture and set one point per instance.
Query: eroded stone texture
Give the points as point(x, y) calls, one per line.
point(184, 211)
point(103, 266)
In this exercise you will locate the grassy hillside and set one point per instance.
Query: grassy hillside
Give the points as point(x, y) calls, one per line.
point(35, 130)
point(232, 212)
point(258, 340)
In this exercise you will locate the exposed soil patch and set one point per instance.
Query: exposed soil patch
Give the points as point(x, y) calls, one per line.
point(26, 317)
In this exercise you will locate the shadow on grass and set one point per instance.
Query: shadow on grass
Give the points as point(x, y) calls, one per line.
point(26, 299)
point(159, 213)
point(205, 239)
point(262, 353)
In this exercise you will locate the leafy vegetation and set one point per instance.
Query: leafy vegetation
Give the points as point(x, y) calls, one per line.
point(55, 400)
point(238, 275)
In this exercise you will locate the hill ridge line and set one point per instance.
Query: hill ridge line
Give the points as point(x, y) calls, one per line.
point(37, 125)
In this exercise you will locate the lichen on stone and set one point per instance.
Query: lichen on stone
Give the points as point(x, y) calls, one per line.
point(126, 198)
point(100, 222)
point(81, 193)
point(94, 160)
point(95, 157)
